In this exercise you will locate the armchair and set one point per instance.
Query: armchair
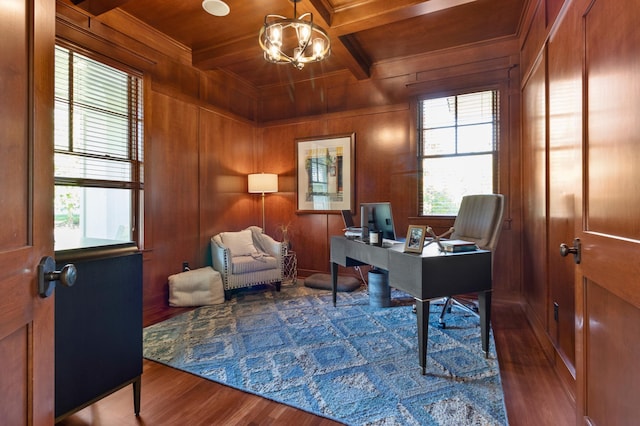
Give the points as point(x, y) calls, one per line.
point(247, 258)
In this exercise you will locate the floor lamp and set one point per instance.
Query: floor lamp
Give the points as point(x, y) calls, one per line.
point(261, 183)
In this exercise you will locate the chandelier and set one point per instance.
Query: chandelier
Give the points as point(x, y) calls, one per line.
point(293, 41)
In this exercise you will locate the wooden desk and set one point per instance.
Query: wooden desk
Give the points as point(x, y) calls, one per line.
point(432, 274)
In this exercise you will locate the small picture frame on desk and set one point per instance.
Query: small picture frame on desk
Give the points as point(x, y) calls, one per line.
point(415, 239)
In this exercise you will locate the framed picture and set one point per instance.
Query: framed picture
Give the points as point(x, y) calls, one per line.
point(415, 239)
point(325, 173)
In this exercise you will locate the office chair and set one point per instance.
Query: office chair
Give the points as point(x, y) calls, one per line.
point(352, 230)
point(479, 220)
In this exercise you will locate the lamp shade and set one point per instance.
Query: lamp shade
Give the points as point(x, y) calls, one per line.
point(263, 182)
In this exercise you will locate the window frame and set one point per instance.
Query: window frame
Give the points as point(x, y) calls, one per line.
point(418, 128)
point(135, 145)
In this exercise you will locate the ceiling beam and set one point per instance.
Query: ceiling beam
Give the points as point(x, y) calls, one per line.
point(382, 12)
point(346, 48)
point(98, 7)
point(375, 13)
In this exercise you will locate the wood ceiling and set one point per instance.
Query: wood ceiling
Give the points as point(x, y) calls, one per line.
point(364, 33)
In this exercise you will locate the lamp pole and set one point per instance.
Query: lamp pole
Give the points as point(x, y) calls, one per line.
point(263, 221)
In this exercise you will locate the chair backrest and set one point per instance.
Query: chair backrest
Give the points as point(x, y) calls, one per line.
point(480, 220)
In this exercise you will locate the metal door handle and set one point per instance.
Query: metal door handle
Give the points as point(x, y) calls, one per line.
point(576, 250)
point(48, 277)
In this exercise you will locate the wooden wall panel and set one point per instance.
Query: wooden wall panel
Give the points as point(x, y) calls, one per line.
point(235, 97)
point(171, 201)
point(226, 157)
point(534, 157)
point(534, 36)
point(565, 174)
point(276, 153)
point(552, 9)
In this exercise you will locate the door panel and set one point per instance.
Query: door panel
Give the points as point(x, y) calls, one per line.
point(13, 350)
point(26, 194)
point(14, 70)
point(612, 66)
point(607, 286)
point(611, 321)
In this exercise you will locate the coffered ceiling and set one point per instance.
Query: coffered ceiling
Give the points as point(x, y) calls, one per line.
point(364, 33)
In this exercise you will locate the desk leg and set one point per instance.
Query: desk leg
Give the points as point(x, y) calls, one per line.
point(137, 384)
point(422, 315)
point(484, 302)
point(334, 281)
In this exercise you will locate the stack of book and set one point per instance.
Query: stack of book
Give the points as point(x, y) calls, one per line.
point(457, 246)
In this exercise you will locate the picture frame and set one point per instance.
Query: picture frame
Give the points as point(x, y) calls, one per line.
point(325, 173)
point(415, 239)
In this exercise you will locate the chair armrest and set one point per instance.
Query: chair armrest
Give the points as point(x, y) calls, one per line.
point(220, 256)
point(273, 247)
point(267, 244)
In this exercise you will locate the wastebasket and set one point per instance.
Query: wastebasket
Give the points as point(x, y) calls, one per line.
point(379, 292)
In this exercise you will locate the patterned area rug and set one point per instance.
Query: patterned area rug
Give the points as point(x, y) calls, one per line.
point(353, 363)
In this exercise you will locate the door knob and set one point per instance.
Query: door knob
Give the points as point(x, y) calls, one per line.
point(576, 250)
point(48, 277)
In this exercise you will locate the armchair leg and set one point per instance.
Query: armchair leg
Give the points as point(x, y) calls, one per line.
point(227, 295)
point(278, 284)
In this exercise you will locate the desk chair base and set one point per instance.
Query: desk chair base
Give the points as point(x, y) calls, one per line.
point(446, 309)
point(448, 304)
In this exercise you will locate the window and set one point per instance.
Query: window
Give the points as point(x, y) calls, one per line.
point(457, 154)
point(98, 152)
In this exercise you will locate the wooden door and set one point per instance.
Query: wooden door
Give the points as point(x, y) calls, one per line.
point(26, 194)
point(607, 281)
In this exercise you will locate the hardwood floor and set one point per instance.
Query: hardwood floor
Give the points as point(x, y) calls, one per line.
point(534, 394)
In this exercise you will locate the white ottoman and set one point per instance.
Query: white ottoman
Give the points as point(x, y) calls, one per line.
point(197, 287)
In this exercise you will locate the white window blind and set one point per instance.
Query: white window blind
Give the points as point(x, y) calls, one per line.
point(457, 149)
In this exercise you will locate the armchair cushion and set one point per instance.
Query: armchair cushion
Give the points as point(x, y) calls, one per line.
point(239, 243)
point(244, 264)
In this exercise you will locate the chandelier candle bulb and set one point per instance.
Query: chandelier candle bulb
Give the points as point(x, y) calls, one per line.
point(275, 34)
point(303, 34)
point(318, 46)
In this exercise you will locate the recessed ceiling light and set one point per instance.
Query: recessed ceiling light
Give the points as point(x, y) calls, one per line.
point(216, 7)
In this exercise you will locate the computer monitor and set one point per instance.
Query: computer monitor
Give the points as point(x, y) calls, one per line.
point(378, 216)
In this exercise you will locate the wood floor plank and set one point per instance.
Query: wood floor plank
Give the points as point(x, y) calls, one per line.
point(533, 392)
